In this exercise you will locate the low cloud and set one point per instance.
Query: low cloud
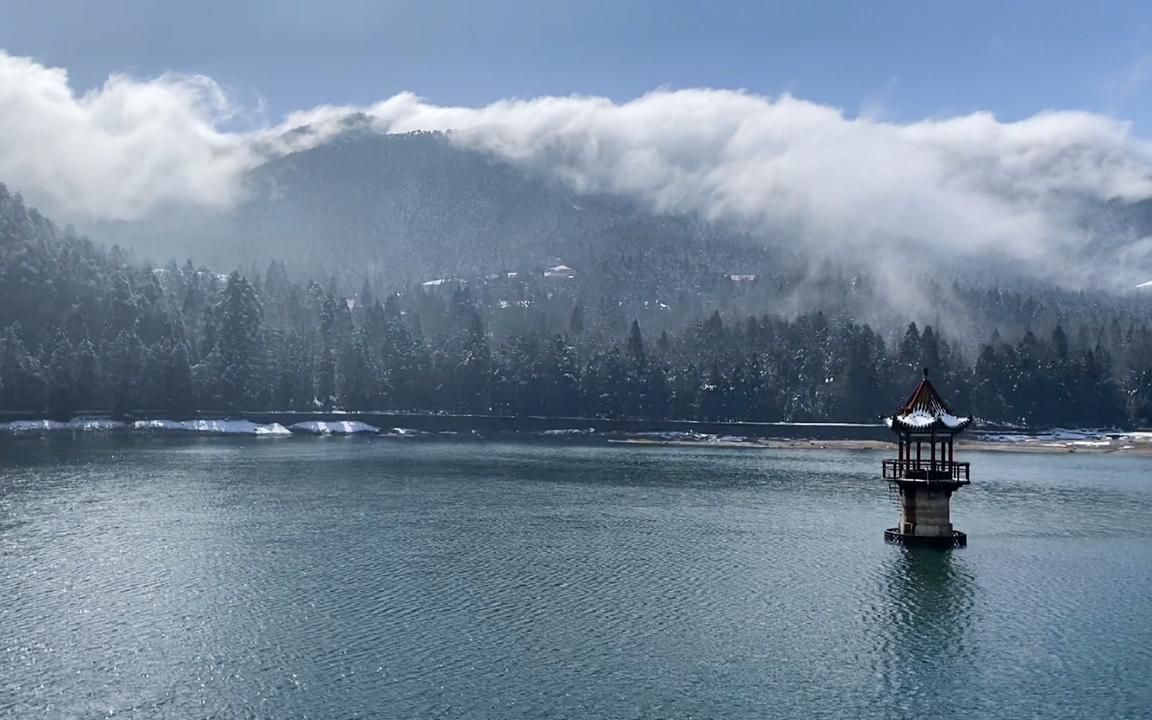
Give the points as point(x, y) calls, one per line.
point(968, 184)
point(120, 150)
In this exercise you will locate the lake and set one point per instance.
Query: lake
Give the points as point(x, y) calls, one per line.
point(158, 577)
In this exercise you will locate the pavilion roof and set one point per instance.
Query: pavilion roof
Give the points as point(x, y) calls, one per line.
point(925, 411)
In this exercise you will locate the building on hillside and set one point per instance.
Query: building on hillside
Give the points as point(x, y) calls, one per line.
point(439, 282)
point(560, 272)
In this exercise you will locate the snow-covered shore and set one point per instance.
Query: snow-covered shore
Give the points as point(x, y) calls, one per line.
point(77, 424)
point(334, 427)
point(221, 426)
point(1057, 440)
point(212, 427)
point(1067, 439)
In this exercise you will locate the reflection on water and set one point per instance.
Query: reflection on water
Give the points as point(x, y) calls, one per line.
point(930, 597)
point(923, 630)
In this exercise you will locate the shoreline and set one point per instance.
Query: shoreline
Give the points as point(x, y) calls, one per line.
point(781, 436)
point(1036, 446)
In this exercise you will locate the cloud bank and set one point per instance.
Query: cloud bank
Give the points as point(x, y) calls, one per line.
point(854, 184)
point(119, 150)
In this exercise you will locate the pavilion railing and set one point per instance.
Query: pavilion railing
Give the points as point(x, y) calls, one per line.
point(939, 471)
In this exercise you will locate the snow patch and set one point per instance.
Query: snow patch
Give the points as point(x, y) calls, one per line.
point(88, 424)
point(77, 424)
point(923, 419)
point(1072, 438)
point(214, 427)
point(339, 427)
point(1004, 437)
point(917, 419)
point(19, 426)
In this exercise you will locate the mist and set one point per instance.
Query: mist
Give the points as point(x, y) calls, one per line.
point(857, 187)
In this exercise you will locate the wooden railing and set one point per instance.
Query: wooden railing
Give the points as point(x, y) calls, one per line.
point(939, 471)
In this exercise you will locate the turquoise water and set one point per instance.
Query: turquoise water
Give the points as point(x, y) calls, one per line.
point(355, 577)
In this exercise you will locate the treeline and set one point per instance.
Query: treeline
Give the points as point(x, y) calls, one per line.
point(84, 328)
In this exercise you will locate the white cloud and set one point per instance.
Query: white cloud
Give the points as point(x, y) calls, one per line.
point(962, 184)
point(119, 150)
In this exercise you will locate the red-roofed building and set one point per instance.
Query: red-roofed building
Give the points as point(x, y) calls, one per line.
point(925, 470)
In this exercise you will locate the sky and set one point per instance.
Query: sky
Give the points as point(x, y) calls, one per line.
point(901, 61)
point(869, 128)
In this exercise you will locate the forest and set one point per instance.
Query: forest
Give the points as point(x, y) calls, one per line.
point(88, 328)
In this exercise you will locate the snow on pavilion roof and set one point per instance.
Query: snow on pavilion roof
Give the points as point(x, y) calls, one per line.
point(925, 411)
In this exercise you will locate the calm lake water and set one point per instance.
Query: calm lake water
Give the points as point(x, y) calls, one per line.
point(355, 577)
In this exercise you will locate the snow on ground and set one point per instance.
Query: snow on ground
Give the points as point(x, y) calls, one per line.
point(95, 423)
point(75, 424)
point(209, 427)
point(1071, 438)
point(1080, 443)
point(34, 426)
point(403, 432)
point(339, 427)
point(214, 427)
point(687, 436)
point(1003, 437)
point(672, 435)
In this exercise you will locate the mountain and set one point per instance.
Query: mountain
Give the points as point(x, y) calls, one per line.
point(402, 210)
point(415, 207)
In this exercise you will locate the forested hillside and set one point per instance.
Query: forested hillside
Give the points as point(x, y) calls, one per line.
point(413, 207)
point(88, 328)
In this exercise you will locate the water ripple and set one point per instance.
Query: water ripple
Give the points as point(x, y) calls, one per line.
point(160, 578)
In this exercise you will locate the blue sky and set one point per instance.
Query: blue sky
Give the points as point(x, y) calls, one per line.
point(901, 60)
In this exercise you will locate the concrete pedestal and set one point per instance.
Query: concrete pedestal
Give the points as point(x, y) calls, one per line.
point(925, 515)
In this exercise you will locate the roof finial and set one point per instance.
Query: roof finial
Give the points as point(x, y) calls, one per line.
point(925, 373)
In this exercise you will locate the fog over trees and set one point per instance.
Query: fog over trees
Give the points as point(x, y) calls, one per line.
point(90, 328)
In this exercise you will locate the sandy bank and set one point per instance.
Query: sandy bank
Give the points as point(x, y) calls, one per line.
point(1040, 445)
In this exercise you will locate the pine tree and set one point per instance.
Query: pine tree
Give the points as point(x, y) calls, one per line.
point(475, 372)
point(636, 346)
point(576, 321)
point(179, 387)
point(356, 381)
point(909, 357)
point(124, 366)
point(238, 320)
point(62, 401)
point(22, 381)
point(399, 364)
point(88, 378)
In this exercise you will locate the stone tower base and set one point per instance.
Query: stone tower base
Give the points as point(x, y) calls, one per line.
point(925, 515)
point(958, 539)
